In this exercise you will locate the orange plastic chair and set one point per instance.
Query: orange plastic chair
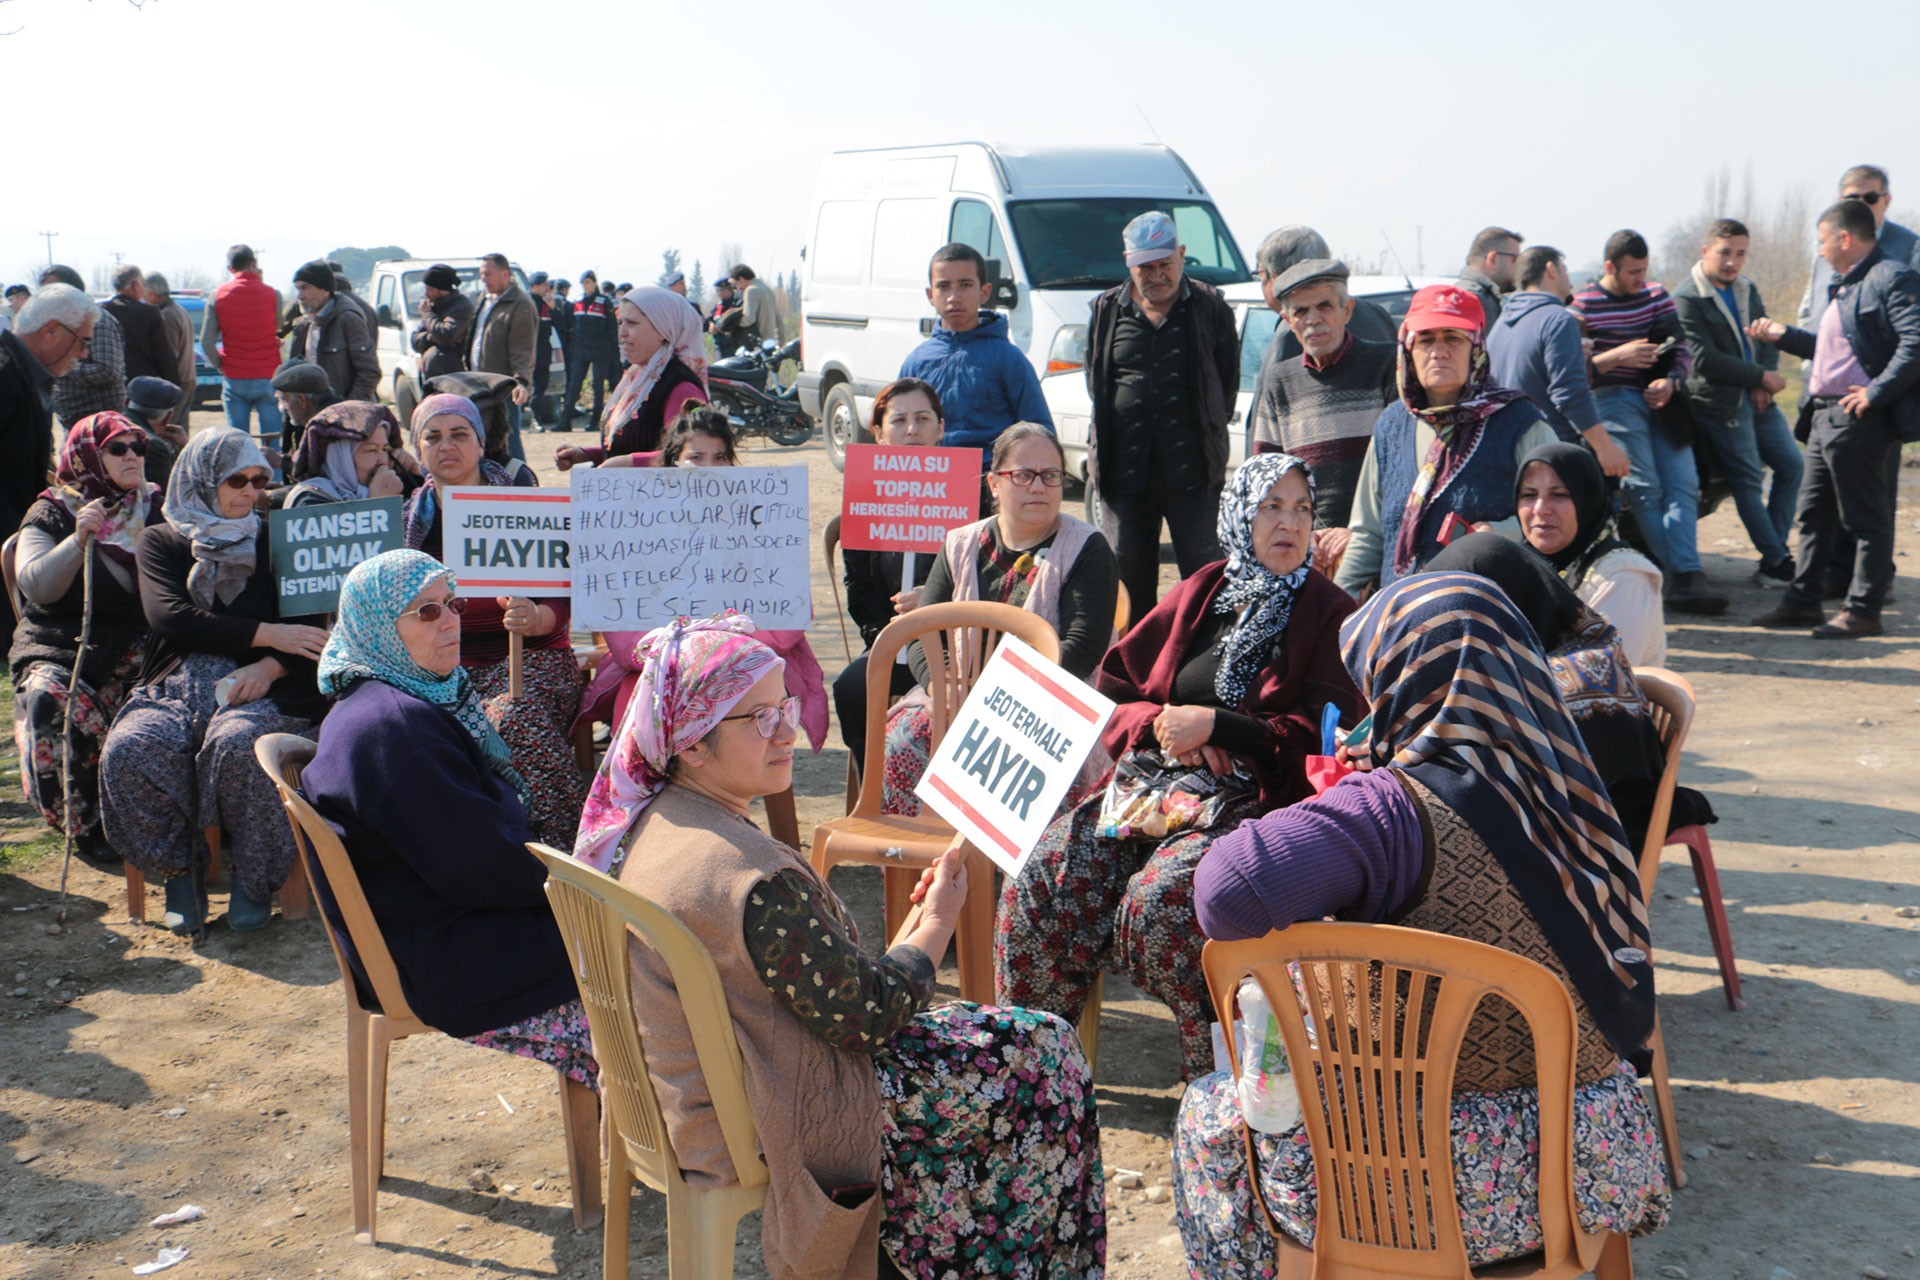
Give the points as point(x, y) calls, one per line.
point(829, 545)
point(1383, 1161)
point(595, 913)
point(376, 1018)
point(966, 632)
point(1088, 1028)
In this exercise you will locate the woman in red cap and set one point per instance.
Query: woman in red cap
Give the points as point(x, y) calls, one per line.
point(1445, 457)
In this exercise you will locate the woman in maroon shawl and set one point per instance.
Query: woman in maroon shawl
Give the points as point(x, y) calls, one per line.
point(1231, 671)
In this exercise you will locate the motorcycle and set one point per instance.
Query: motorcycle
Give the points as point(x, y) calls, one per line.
point(746, 386)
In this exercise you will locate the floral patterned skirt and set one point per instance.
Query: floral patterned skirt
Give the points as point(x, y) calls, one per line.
point(558, 1037)
point(992, 1148)
point(40, 720)
point(909, 748)
point(1619, 1174)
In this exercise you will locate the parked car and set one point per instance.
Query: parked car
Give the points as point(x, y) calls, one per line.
point(397, 286)
point(1047, 219)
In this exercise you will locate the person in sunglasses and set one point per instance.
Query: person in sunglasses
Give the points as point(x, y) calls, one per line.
point(889, 1129)
point(433, 816)
point(222, 668)
point(99, 506)
point(1029, 554)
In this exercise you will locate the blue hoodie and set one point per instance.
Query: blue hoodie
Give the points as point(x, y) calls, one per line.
point(1534, 348)
point(985, 383)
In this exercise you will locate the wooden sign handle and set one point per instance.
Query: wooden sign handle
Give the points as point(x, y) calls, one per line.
point(516, 662)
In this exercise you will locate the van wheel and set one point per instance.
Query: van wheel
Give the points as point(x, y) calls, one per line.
point(842, 420)
point(405, 399)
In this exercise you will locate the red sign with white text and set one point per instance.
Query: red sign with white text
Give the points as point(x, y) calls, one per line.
point(906, 497)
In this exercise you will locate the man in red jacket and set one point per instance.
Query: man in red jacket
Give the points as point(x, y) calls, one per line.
point(240, 341)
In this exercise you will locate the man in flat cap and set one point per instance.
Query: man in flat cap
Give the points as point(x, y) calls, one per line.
point(446, 323)
point(300, 390)
point(332, 332)
point(157, 405)
point(1321, 404)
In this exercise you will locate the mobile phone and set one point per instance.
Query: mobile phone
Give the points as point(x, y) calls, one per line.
point(1359, 734)
point(1665, 348)
point(1452, 527)
point(851, 1197)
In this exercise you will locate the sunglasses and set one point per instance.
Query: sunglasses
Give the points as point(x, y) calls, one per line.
point(769, 719)
point(240, 481)
point(432, 609)
point(1052, 477)
point(121, 448)
point(1867, 198)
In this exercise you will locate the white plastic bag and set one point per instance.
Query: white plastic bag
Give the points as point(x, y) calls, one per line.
point(1267, 1097)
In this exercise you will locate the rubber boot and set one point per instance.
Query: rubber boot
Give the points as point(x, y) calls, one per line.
point(244, 915)
point(187, 903)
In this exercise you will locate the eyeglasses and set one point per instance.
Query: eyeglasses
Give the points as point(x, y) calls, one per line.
point(240, 480)
point(121, 448)
point(769, 719)
point(1052, 477)
point(1867, 198)
point(432, 609)
point(86, 344)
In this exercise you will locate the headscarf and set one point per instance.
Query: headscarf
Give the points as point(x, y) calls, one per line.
point(1263, 598)
point(1457, 429)
point(679, 324)
point(1595, 534)
point(366, 645)
point(324, 460)
point(83, 478)
point(223, 546)
point(1464, 700)
point(693, 672)
point(423, 507)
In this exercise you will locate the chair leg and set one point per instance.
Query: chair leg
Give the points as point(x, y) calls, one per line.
point(379, 1045)
point(614, 1237)
point(136, 895)
point(1663, 1108)
point(580, 1118)
point(293, 894)
point(583, 748)
point(973, 939)
point(700, 1230)
point(1707, 879)
point(1616, 1258)
point(853, 783)
point(212, 836)
point(783, 822)
point(366, 1190)
point(896, 892)
point(1089, 1024)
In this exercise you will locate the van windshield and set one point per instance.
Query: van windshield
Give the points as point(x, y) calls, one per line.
point(1075, 244)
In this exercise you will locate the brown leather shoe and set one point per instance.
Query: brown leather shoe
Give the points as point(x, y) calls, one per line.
point(1791, 616)
point(1848, 625)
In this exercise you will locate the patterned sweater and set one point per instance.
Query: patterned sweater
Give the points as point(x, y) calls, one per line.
point(1325, 418)
point(1614, 320)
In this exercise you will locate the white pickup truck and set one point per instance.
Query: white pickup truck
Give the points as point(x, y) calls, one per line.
point(396, 289)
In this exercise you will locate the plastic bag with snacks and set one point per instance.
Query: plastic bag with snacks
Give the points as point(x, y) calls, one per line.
point(1149, 799)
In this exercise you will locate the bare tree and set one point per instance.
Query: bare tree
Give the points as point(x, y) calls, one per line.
point(102, 276)
point(192, 278)
point(730, 253)
point(1779, 245)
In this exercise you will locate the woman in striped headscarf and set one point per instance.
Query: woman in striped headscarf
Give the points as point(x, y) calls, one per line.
point(1477, 813)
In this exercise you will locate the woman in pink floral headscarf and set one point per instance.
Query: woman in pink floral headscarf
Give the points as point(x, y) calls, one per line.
point(886, 1127)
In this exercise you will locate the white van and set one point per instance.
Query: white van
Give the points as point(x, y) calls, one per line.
point(1047, 219)
point(397, 286)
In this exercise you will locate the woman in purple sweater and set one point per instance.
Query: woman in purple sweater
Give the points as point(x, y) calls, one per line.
point(1478, 814)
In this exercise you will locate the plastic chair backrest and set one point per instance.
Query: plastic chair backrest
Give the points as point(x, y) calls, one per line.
point(1122, 610)
point(1382, 1154)
point(967, 631)
point(283, 756)
point(9, 556)
point(1673, 706)
point(595, 912)
point(829, 544)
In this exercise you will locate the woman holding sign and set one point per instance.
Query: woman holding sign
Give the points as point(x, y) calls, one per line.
point(221, 670)
point(449, 438)
point(666, 357)
point(1230, 673)
point(346, 455)
point(960, 1140)
point(98, 509)
point(1029, 554)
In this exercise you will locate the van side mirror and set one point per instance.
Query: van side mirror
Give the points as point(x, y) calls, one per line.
point(1001, 290)
point(385, 316)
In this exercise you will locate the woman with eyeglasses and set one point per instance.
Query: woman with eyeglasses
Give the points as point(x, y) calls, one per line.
point(1029, 553)
point(222, 668)
point(1230, 672)
point(961, 1140)
point(98, 507)
point(433, 815)
point(449, 439)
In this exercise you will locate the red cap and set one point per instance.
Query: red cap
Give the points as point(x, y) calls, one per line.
point(1444, 306)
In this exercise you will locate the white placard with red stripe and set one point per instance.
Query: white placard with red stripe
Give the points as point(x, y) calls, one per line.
point(1013, 750)
point(508, 542)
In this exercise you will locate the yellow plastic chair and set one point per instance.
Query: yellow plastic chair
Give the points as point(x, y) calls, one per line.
point(958, 637)
point(595, 912)
point(377, 1011)
point(1383, 1159)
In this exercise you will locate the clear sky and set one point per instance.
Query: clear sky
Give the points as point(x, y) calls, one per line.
point(572, 135)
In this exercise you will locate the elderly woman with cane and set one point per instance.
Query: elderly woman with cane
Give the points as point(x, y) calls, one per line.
point(81, 635)
point(221, 671)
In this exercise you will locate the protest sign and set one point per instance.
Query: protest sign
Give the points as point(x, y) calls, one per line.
point(906, 497)
point(314, 546)
point(652, 543)
point(1013, 749)
point(505, 541)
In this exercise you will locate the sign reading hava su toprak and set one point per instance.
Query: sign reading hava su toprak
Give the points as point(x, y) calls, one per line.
point(906, 497)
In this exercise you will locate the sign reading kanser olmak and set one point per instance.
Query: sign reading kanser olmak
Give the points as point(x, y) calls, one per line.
point(314, 547)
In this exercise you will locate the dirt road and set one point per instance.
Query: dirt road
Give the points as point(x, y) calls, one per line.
point(138, 1074)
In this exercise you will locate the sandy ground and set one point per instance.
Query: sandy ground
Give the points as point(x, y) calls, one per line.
point(138, 1073)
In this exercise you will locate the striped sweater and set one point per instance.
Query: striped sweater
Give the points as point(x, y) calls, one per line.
point(1613, 320)
point(1325, 418)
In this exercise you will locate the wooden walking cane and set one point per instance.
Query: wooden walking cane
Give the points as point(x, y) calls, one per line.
point(66, 735)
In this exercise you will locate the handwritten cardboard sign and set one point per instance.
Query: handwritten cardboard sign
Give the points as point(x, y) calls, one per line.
point(314, 546)
point(507, 542)
point(906, 497)
point(1014, 748)
point(652, 543)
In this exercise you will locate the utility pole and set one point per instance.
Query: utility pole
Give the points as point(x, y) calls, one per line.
point(49, 235)
point(117, 256)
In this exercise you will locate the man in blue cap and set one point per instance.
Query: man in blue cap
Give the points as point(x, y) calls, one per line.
point(1163, 370)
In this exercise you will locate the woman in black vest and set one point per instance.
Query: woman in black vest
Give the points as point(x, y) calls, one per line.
point(101, 503)
point(666, 370)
